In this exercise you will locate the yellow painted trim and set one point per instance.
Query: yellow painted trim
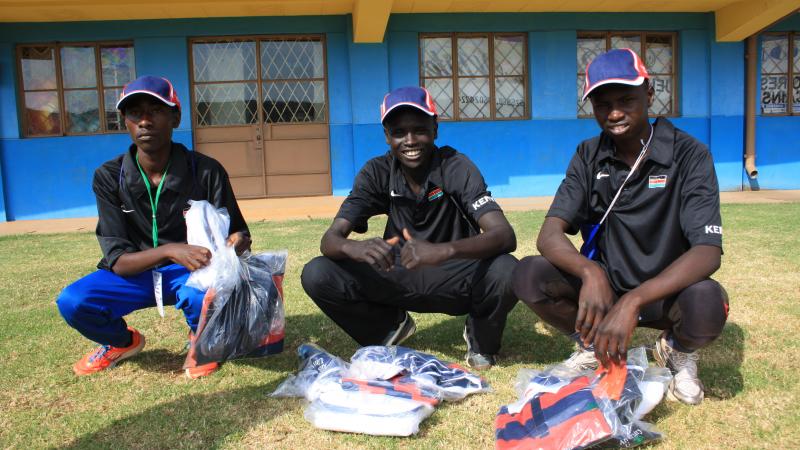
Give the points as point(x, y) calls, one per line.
point(737, 21)
point(370, 18)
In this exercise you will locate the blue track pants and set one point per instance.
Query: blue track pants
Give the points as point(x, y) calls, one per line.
point(96, 304)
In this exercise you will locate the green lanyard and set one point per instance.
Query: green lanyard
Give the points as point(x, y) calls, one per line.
point(153, 203)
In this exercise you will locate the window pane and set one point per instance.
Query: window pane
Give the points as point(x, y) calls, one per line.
point(774, 54)
point(509, 97)
point(632, 42)
point(773, 94)
point(226, 104)
point(584, 108)
point(437, 57)
point(659, 54)
point(796, 94)
point(473, 56)
point(588, 49)
point(78, 67)
point(797, 54)
point(224, 61)
point(294, 101)
point(662, 100)
point(38, 68)
point(83, 111)
point(291, 59)
point(114, 120)
point(117, 64)
point(473, 98)
point(42, 113)
point(509, 55)
point(441, 90)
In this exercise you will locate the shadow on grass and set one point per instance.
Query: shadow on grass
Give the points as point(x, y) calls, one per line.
point(195, 421)
point(521, 342)
point(720, 365)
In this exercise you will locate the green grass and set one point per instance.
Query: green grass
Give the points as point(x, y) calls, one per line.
point(751, 372)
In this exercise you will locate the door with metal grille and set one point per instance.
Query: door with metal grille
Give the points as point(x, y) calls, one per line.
point(260, 108)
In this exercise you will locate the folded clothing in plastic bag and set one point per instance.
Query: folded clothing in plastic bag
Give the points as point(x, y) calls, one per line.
point(452, 381)
point(385, 391)
point(562, 409)
point(243, 311)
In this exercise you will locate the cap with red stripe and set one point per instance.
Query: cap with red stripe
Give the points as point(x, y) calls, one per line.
point(413, 96)
point(157, 87)
point(620, 66)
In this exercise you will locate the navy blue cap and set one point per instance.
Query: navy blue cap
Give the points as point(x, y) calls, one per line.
point(157, 87)
point(620, 66)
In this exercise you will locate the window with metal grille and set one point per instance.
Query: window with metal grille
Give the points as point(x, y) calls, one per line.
point(476, 76)
point(72, 89)
point(287, 74)
point(657, 50)
point(780, 73)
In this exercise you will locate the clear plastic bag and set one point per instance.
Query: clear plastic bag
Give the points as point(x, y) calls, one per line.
point(319, 371)
point(367, 413)
point(386, 391)
point(208, 227)
point(560, 408)
point(452, 381)
point(242, 313)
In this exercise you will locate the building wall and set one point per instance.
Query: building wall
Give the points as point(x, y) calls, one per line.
point(51, 177)
point(777, 137)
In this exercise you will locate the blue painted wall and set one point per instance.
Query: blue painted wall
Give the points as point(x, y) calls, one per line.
point(778, 137)
point(518, 158)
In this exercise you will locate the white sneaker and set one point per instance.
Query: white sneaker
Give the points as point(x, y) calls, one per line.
point(685, 386)
point(582, 360)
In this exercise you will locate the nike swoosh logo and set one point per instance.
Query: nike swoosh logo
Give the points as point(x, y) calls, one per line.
point(127, 210)
point(602, 175)
point(394, 194)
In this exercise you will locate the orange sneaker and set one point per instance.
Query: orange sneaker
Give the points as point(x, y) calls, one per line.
point(106, 356)
point(190, 366)
point(202, 370)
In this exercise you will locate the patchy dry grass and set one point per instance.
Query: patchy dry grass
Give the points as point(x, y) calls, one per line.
point(751, 372)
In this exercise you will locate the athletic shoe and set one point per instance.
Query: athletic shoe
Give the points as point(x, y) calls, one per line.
point(685, 386)
point(405, 330)
point(582, 360)
point(107, 356)
point(191, 368)
point(475, 360)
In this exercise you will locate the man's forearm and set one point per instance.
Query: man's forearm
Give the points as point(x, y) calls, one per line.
point(137, 262)
point(490, 243)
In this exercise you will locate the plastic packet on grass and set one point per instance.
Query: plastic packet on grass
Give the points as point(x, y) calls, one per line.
point(319, 371)
point(559, 409)
point(367, 413)
point(452, 381)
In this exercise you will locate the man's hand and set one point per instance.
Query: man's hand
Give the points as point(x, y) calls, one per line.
point(614, 333)
point(419, 252)
point(594, 301)
point(376, 252)
point(192, 257)
point(240, 241)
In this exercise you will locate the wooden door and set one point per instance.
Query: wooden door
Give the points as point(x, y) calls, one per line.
point(260, 108)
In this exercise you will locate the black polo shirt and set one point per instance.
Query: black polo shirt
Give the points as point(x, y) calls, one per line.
point(669, 205)
point(447, 209)
point(124, 222)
